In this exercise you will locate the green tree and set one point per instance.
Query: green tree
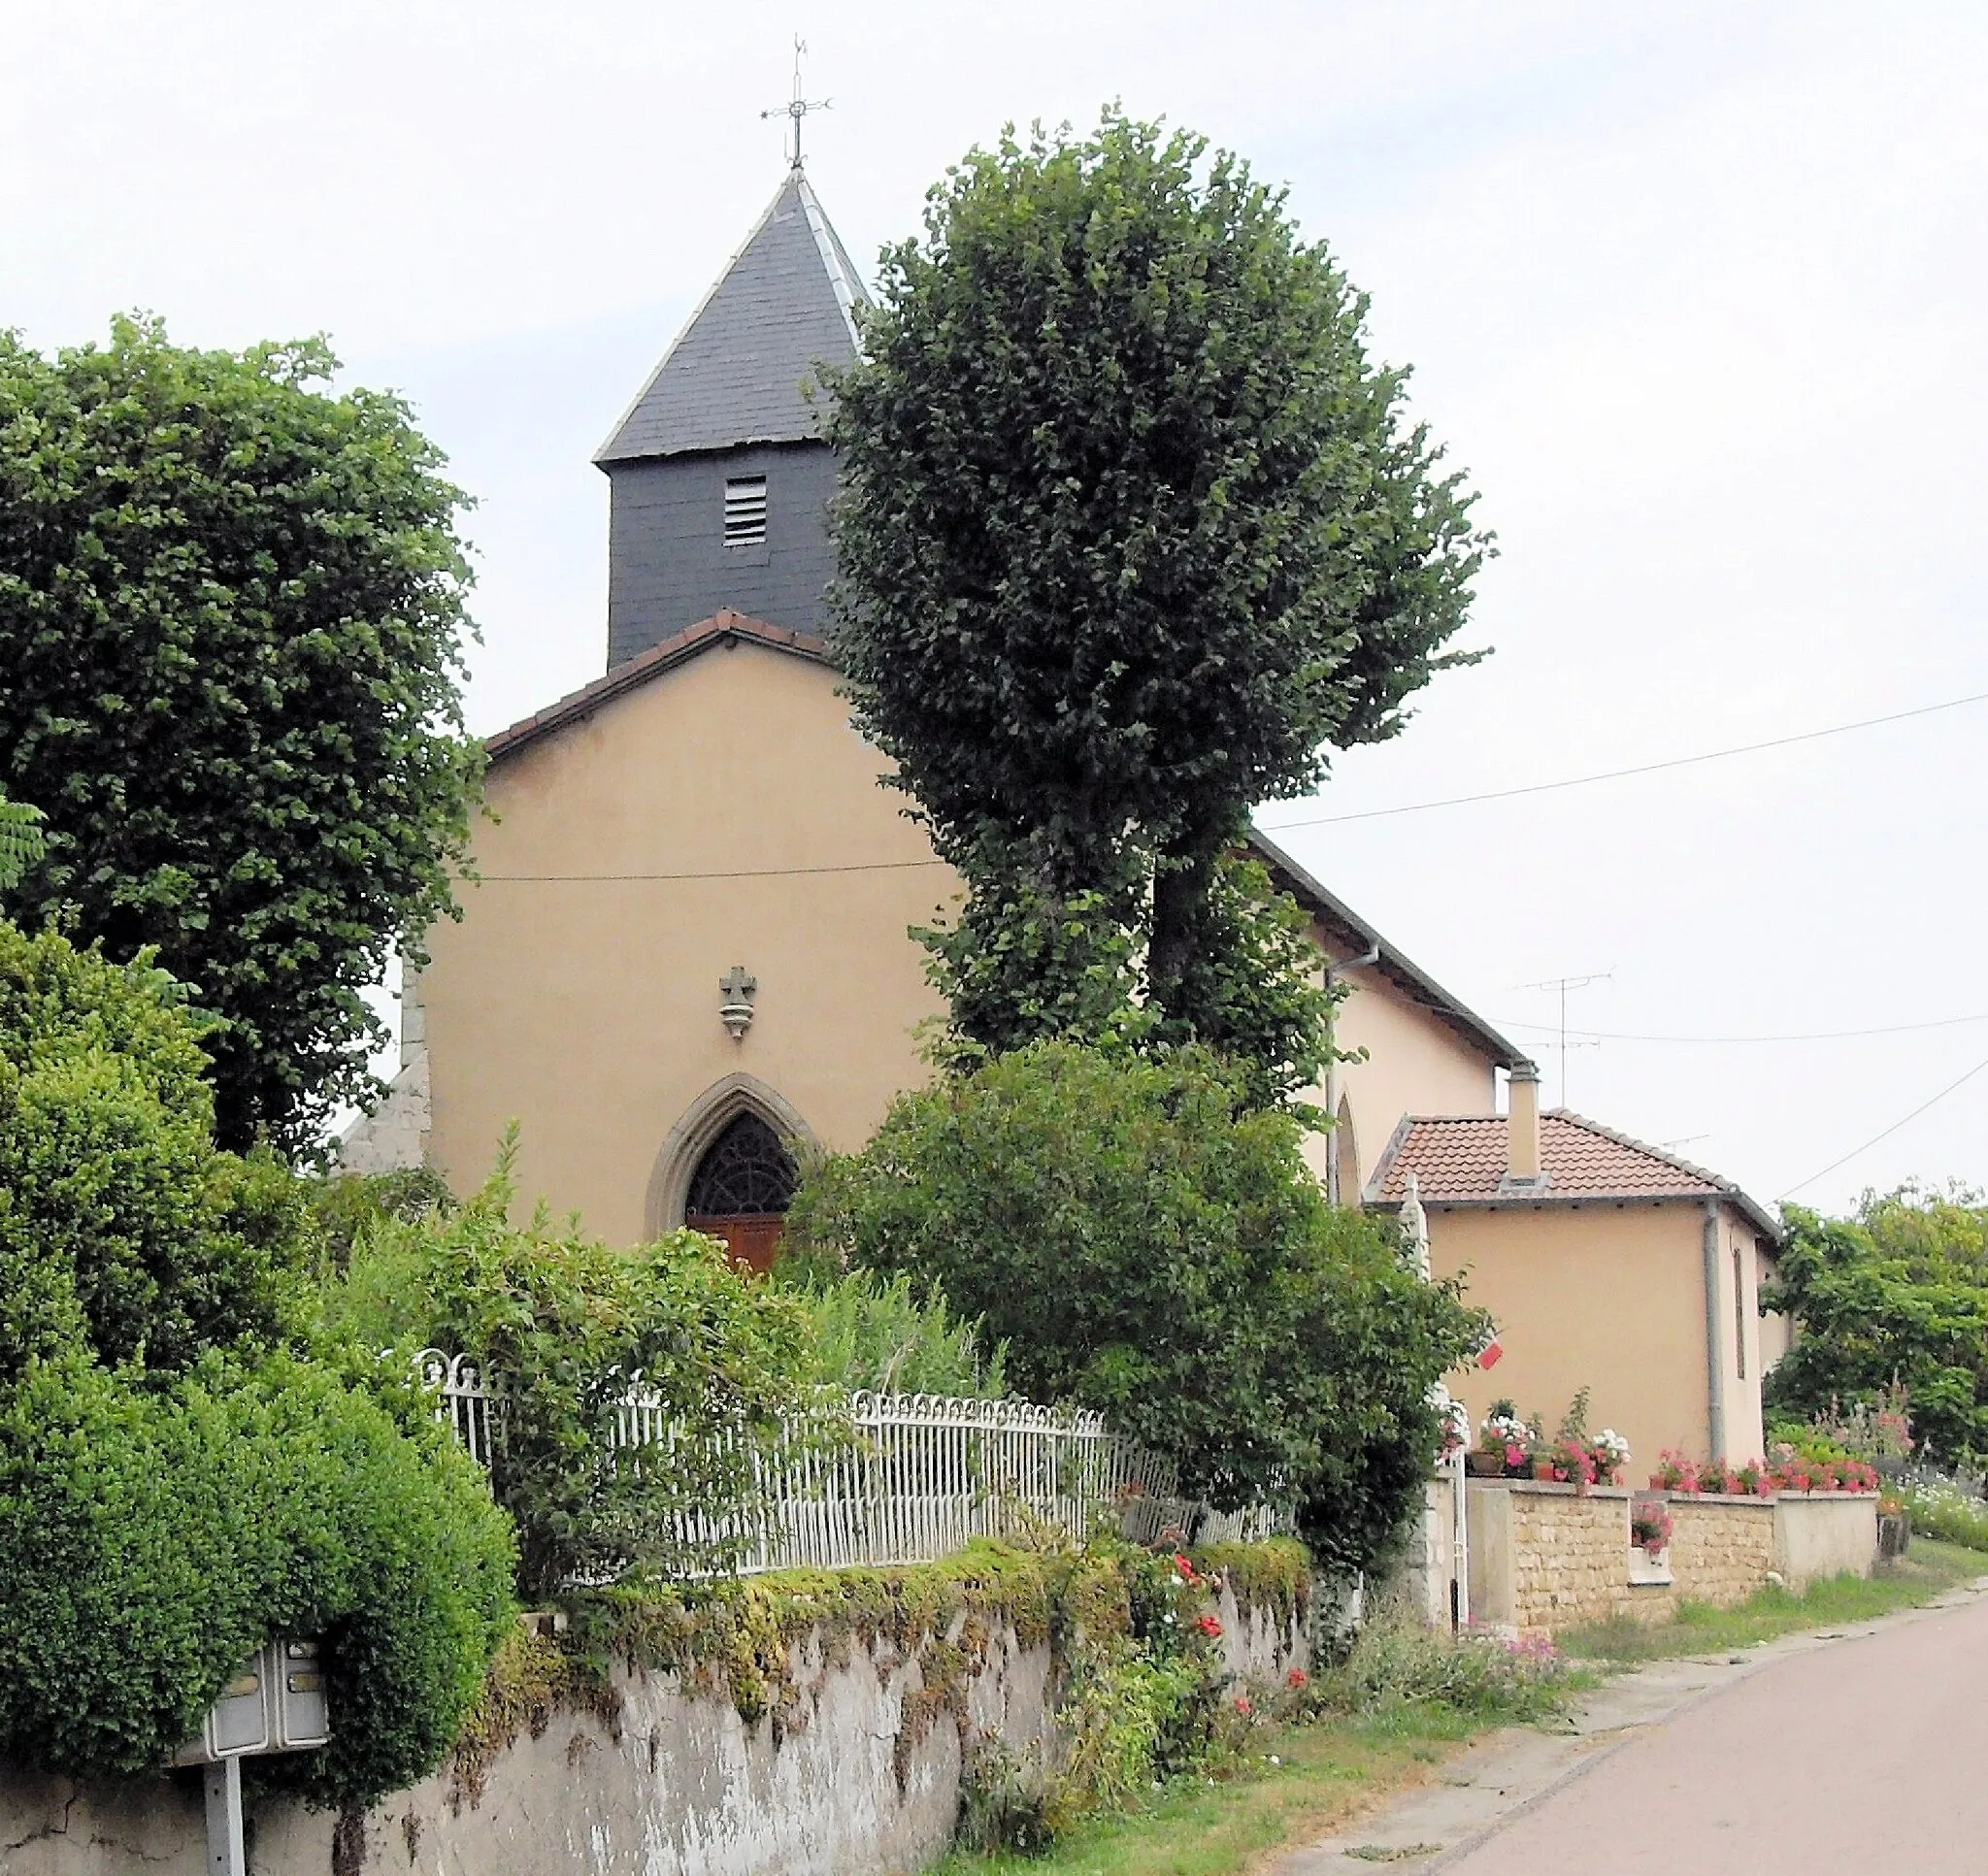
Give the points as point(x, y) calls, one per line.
point(1147, 1241)
point(1897, 1293)
point(1131, 530)
point(231, 623)
point(20, 840)
point(122, 1229)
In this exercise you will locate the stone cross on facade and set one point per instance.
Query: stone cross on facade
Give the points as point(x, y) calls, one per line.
point(738, 986)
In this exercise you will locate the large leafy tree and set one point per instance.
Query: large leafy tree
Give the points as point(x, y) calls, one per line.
point(231, 626)
point(1896, 1295)
point(1148, 1242)
point(1132, 529)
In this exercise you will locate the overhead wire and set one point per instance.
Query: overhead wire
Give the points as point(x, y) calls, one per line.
point(1852, 1154)
point(1639, 769)
point(1799, 1036)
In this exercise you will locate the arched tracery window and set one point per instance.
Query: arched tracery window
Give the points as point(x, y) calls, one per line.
point(741, 1188)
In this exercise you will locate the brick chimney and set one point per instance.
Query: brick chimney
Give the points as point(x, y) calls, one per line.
point(1522, 1167)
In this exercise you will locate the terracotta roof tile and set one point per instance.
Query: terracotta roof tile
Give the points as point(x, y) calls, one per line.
point(1462, 1158)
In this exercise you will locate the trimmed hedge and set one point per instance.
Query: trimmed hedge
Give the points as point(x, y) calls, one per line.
point(151, 1538)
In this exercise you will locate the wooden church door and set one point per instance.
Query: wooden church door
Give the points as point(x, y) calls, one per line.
point(742, 1189)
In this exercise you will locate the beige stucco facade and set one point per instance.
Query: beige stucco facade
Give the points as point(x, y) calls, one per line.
point(580, 998)
point(722, 813)
point(1611, 1296)
point(1407, 1060)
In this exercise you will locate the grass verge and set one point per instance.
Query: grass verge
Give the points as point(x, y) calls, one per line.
point(1326, 1771)
point(1930, 1570)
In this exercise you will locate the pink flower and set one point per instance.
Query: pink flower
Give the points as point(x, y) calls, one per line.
point(1243, 1705)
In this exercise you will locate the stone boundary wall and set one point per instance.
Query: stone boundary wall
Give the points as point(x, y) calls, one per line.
point(662, 1782)
point(1721, 1548)
point(1544, 1556)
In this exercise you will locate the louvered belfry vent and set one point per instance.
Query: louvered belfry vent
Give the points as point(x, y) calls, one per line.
point(744, 510)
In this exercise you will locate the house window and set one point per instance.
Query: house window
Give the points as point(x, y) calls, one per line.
point(744, 510)
point(1739, 1311)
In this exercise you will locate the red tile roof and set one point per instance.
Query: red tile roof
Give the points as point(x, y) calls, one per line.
point(720, 628)
point(1462, 1160)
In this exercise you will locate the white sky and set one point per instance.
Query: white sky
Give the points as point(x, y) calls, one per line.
point(1694, 292)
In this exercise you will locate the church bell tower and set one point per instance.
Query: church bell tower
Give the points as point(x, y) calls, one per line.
point(719, 474)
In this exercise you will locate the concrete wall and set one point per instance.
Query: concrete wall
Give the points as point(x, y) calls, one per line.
point(668, 565)
point(671, 1784)
point(1609, 1296)
point(1834, 1534)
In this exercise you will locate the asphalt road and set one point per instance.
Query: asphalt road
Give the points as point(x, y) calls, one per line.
point(1870, 1754)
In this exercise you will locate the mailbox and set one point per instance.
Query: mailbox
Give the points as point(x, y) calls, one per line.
point(298, 1715)
point(237, 1723)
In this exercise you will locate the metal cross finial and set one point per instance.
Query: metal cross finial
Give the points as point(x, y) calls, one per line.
point(798, 107)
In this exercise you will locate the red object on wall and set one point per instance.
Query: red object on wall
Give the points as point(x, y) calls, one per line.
point(1491, 1354)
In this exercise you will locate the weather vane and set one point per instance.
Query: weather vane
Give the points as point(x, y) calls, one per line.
point(798, 107)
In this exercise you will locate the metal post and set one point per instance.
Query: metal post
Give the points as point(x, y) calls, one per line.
point(225, 1855)
point(1460, 1541)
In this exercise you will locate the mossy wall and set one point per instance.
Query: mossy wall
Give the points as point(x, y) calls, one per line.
point(810, 1724)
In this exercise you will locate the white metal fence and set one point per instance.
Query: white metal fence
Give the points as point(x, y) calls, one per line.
point(908, 1478)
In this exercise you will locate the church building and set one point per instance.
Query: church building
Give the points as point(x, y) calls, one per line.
point(686, 953)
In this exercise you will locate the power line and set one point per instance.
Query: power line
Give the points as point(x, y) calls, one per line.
point(1642, 769)
point(741, 873)
point(1805, 1036)
point(1889, 1130)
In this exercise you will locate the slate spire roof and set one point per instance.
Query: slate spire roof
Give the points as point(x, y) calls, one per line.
point(734, 376)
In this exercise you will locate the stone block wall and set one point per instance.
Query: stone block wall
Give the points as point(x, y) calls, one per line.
point(1721, 1549)
point(1571, 1560)
point(1544, 1558)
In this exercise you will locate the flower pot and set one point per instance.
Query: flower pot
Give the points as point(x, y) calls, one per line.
point(1484, 1465)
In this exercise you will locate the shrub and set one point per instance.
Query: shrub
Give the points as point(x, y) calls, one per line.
point(122, 1228)
point(152, 1537)
point(1148, 1245)
point(1940, 1508)
point(1394, 1662)
point(865, 1330)
point(563, 1326)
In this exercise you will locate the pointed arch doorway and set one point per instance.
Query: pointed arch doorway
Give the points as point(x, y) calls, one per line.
point(741, 1187)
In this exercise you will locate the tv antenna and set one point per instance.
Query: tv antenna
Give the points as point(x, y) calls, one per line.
point(798, 107)
point(1562, 985)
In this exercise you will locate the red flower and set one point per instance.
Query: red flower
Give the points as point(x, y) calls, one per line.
point(1297, 1678)
point(1209, 1626)
point(1243, 1705)
point(1185, 1567)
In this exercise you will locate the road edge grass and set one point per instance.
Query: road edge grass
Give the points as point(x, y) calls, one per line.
point(1298, 1782)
